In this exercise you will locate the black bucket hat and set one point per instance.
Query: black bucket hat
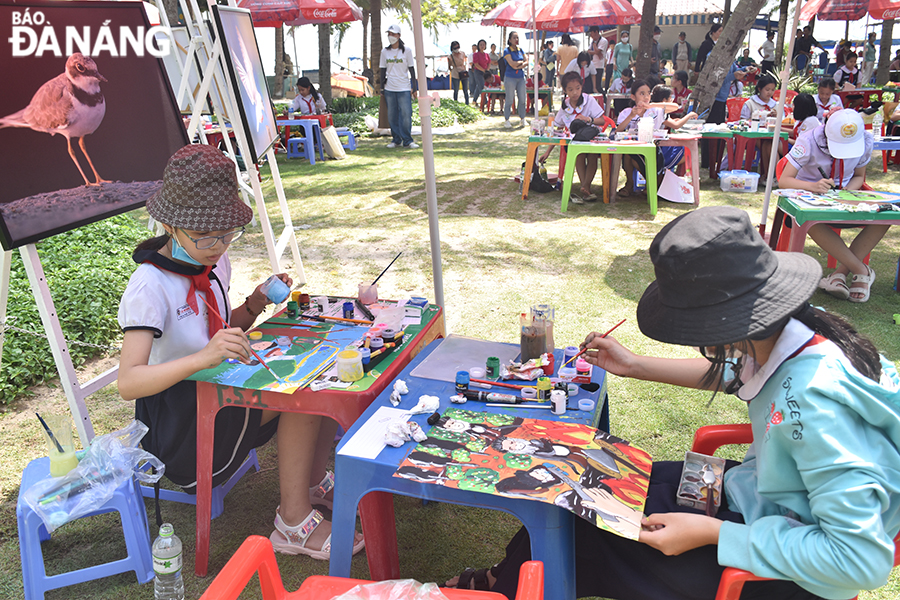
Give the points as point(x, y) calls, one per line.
point(717, 282)
point(199, 192)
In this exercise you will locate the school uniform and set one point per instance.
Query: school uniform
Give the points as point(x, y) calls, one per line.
point(810, 154)
point(307, 105)
point(667, 157)
point(586, 73)
point(618, 86)
point(155, 300)
point(588, 107)
point(754, 104)
point(824, 107)
point(736, 90)
point(845, 75)
point(807, 124)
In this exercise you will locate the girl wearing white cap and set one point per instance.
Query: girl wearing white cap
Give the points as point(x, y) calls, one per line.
point(835, 155)
point(398, 82)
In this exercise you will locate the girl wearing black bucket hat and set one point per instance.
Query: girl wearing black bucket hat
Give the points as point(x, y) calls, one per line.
point(816, 503)
point(169, 313)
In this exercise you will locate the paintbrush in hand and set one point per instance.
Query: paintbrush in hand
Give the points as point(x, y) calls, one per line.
point(613, 328)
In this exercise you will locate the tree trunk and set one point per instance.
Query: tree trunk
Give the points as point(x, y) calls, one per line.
point(727, 11)
point(782, 32)
point(171, 8)
point(278, 91)
point(325, 61)
point(884, 58)
point(375, 6)
point(645, 43)
point(722, 56)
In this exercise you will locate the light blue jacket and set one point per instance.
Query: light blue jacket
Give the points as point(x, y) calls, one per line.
point(820, 487)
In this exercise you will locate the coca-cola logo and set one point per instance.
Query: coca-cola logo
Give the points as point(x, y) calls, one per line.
point(328, 13)
point(550, 25)
point(891, 14)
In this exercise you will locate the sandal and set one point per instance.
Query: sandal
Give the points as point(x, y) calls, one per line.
point(575, 199)
point(836, 285)
point(590, 198)
point(292, 539)
point(624, 192)
point(867, 280)
point(480, 577)
point(317, 493)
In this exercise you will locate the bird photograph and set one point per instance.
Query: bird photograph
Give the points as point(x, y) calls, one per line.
point(71, 105)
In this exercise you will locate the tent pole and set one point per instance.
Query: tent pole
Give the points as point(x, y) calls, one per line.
point(534, 47)
point(779, 112)
point(428, 156)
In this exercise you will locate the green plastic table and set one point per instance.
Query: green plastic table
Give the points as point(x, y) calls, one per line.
point(616, 149)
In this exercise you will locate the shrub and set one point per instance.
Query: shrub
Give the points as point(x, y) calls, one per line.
point(87, 270)
point(446, 115)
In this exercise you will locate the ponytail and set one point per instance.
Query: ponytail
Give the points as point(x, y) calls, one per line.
point(858, 349)
point(154, 243)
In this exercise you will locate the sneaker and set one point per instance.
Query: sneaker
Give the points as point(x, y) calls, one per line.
point(412, 145)
point(521, 122)
point(391, 145)
point(508, 125)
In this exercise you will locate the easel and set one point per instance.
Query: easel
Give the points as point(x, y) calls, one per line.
point(74, 390)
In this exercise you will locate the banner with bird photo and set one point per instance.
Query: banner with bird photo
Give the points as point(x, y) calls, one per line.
point(88, 119)
point(601, 478)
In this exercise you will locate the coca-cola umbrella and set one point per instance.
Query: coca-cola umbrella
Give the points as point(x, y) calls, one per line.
point(575, 15)
point(275, 13)
point(850, 10)
point(512, 13)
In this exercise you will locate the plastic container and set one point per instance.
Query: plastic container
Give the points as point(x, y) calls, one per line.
point(349, 365)
point(275, 290)
point(738, 181)
point(167, 559)
point(645, 130)
point(60, 462)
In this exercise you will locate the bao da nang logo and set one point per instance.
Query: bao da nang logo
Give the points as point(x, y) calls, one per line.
point(34, 35)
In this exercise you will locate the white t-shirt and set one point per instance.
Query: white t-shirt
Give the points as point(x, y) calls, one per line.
point(768, 50)
point(155, 299)
point(810, 154)
point(659, 117)
point(599, 62)
point(755, 103)
point(824, 107)
point(306, 105)
point(588, 108)
point(397, 62)
point(573, 67)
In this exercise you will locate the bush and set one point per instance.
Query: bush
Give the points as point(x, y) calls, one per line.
point(352, 105)
point(87, 270)
point(353, 113)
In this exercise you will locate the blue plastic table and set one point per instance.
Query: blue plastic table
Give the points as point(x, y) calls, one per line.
point(551, 528)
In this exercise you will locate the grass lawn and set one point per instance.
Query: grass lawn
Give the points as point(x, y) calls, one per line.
point(499, 256)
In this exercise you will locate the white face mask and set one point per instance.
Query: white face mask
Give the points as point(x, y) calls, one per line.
point(624, 39)
point(656, 37)
point(393, 38)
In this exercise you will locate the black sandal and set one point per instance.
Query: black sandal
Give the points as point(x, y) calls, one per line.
point(480, 576)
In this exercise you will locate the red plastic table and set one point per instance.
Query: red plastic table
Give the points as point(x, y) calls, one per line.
point(342, 406)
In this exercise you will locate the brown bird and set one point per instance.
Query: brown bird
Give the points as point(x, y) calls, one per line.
point(71, 104)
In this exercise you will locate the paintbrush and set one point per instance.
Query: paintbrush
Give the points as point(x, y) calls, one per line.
point(50, 433)
point(387, 267)
point(342, 319)
point(613, 328)
point(365, 310)
point(501, 384)
point(258, 357)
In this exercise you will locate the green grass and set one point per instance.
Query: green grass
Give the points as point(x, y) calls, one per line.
point(499, 256)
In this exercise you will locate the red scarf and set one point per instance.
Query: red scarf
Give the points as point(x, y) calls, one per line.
point(309, 105)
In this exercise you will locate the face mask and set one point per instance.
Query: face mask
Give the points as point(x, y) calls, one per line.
point(656, 38)
point(625, 39)
point(179, 253)
point(394, 38)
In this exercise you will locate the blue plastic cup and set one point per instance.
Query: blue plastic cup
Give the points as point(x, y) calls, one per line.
point(276, 290)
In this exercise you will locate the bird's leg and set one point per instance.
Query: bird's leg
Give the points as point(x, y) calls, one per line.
point(97, 177)
point(75, 160)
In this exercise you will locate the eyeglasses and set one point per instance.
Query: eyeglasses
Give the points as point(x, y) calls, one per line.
point(208, 241)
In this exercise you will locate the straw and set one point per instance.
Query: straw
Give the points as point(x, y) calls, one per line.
point(50, 433)
point(613, 328)
point(387, 267)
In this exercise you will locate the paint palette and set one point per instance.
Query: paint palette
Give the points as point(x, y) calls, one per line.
point(691, 489)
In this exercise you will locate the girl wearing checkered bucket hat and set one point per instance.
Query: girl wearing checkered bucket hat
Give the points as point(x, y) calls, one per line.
point(816, 503)
point(170, 314)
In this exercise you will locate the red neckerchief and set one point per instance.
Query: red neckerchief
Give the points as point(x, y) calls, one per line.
point(838, 183)
point(582, 73)
point(816, 339)
point(309, 106)
point(201, 283)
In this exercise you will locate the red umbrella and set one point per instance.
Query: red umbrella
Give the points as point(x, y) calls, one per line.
point(275, 13)
point(575, 15)
point(512, 13)
point(850, 10)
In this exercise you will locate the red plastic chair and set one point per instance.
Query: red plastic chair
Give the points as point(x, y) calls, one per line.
point(791, 94)
point(707, 440)
point(734, 106)
point(256, 556)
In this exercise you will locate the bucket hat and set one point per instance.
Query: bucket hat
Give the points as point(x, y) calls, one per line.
point(199, 192)
point(717, 282)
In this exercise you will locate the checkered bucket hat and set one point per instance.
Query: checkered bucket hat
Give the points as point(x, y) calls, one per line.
point(199, 192)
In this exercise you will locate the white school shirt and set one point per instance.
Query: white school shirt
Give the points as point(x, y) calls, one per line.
point(397, 62)
point(822, 108)
point(659, 117)
point(755, 103)
point(736, 90)
point(602, 45)
point(573, 67)
point(306, 105)
point(589, 108)
point(155, 299)
point(846, 75)
point(617, 86)
point(808, 124)
point(810, 154)
point(768, 50)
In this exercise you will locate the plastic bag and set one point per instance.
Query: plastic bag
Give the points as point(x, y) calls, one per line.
point(110, 460)
point(394, 589)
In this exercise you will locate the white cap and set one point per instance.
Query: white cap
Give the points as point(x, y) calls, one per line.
point(394, 29)
point(844, 132)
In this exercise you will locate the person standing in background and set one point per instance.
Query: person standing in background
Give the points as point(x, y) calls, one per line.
point(623, 55)
point(868, 66)
point(459, 72)
point(610, 63)
point(565, 53)
point(514, 79)
point(681, 53)
point(599, 46)
point(655, 54)
point(706, 47)
point(481, 62)
point(767, 53)
point(471, 65)
point(398, 81)
point(549, 59)
point(495, 60)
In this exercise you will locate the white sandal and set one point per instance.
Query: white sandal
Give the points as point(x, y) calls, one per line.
point(292, 539)
point(867, 280)
point(836, 285)
point(317, 493)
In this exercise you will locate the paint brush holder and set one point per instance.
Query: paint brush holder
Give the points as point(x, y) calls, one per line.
point(691, 489)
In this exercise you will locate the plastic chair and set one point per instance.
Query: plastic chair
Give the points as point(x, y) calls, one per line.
point(218, 493)
point(707, 440)
point(256, 556)
point(344, 132)
point(734, 106)
point(791, 94)
point(126, 500)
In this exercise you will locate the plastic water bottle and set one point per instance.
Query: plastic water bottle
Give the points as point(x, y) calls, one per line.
point(167, 557)
point(877, 122)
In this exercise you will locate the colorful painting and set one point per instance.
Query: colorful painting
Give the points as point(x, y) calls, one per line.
point(599, 477)
point(297, 351)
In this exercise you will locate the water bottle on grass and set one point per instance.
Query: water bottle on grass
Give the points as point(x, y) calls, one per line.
point(168, 583)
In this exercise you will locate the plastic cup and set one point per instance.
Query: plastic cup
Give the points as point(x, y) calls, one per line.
point(276, 290)
point(368, 293)
point(60, 462)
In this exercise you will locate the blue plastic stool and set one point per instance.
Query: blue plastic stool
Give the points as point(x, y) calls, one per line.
point(126, 500)
point(218, 493)
point(301, 148)
point(344, 132)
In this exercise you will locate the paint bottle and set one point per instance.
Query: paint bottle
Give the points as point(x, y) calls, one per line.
point(292, 310)
point(569, 353)
point(348, 310)
point(275, 290)
point(349, 365)
point(492, 367)
point(389, 335)
point(304, 302)
point(543, 388)
point(548, 366)
point(366, 355)
point(462, 381)
point(582, 367)
point(376, 343)
point(567, 373)
point(558, 402)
